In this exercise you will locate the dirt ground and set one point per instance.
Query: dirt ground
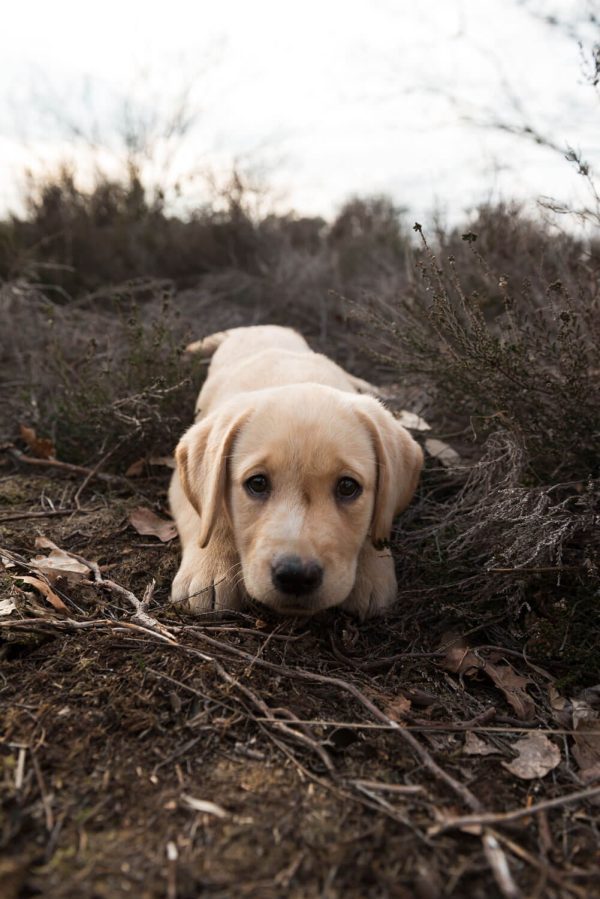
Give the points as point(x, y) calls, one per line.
point(246, 756)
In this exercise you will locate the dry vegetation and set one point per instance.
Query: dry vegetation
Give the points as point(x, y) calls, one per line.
point(332, 753)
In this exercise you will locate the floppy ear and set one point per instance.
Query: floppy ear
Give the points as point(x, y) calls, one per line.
point(399, 463)
point(201, 458)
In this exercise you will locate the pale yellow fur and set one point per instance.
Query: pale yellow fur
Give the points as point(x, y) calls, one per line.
point(270, 405)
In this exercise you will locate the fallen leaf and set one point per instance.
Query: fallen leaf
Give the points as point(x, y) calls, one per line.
point(146, 522)
point(513, 686)
point(397, 708)
point(7, 563)
point(45, 589)
point(59, 563)
point(204, 805)
point(7, 606)
point(591, 695)
point(586, 749)
point(442, 452)
point(411, 420)
point(41, 447)
point(561, 707)
point(537, 757)
point(461, 659)
point(474, 745)
point(135, 469)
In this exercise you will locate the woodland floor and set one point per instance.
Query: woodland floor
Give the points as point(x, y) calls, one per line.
point(241, 755)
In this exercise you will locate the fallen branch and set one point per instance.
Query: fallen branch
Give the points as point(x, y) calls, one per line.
point(141, 615)
point(51, 513)
point(21, 459)
point(504, 817)
point(66, 624)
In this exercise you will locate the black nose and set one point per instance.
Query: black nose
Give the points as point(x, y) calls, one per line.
point(291, 575)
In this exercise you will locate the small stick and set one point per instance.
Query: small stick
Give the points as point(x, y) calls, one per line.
point(504, 817)
point(403, 789)
point(542, 866)
point(20, 772)
point(141, 615)
point(92, 474)
point(49, 514)
point(72, 624)
point(21, 458)
point(499, 864)
point(43, 792)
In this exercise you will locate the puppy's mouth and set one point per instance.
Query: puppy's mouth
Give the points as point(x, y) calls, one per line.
point(296, 605)
point(303, 606)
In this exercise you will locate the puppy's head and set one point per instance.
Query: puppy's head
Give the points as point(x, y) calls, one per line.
point(303, 475)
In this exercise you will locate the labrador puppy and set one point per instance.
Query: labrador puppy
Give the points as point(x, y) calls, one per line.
point(287, 485)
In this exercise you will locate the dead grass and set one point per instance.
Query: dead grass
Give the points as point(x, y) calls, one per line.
point(494, 340)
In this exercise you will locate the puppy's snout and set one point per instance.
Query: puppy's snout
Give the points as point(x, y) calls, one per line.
point(291, 575)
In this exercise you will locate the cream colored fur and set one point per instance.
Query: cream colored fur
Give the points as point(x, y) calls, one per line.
point(272, 407)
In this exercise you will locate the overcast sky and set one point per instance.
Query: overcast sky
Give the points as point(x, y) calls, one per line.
point(331, 97)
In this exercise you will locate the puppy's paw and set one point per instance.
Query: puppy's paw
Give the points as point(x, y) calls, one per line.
point(207, 581)
point(375, 588)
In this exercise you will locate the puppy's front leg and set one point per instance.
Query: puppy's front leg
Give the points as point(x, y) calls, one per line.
point(375, 588)
point(209, 578)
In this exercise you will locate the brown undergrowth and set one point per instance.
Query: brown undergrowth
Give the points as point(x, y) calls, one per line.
point(331, 753)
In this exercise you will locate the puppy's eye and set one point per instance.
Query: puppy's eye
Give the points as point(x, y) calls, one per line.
point(348, 488)
point(257, 485)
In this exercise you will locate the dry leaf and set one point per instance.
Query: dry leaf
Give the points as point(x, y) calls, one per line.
point(59, 563)
point(40, 447)
point(147, 523)
point(461, 659)
point(7, 606)
point(513, 686)
point(561, 707)
point(411, 420)
point(135, 469)
point(475, 746)
point(442, 452)
point(45, 589)
point(586, 751)
point(397, 708)
point(537, 757)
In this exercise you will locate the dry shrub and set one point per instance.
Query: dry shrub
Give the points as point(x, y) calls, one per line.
point(98, 380)
point(74, 240)
point(514, 526)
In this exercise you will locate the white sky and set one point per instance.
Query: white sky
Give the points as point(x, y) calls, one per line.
point(334, 97)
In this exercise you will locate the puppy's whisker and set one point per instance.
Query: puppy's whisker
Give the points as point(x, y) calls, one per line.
point(196, 593)
point(228, 573)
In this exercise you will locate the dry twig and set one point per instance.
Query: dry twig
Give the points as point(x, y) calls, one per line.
point(505, 817)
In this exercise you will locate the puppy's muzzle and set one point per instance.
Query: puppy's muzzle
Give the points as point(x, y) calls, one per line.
point(293, 576)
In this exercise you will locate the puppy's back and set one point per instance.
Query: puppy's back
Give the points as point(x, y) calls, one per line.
point(257, 358)
point(233, 345)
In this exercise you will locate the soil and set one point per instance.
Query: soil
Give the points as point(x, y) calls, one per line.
point(134, 766)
